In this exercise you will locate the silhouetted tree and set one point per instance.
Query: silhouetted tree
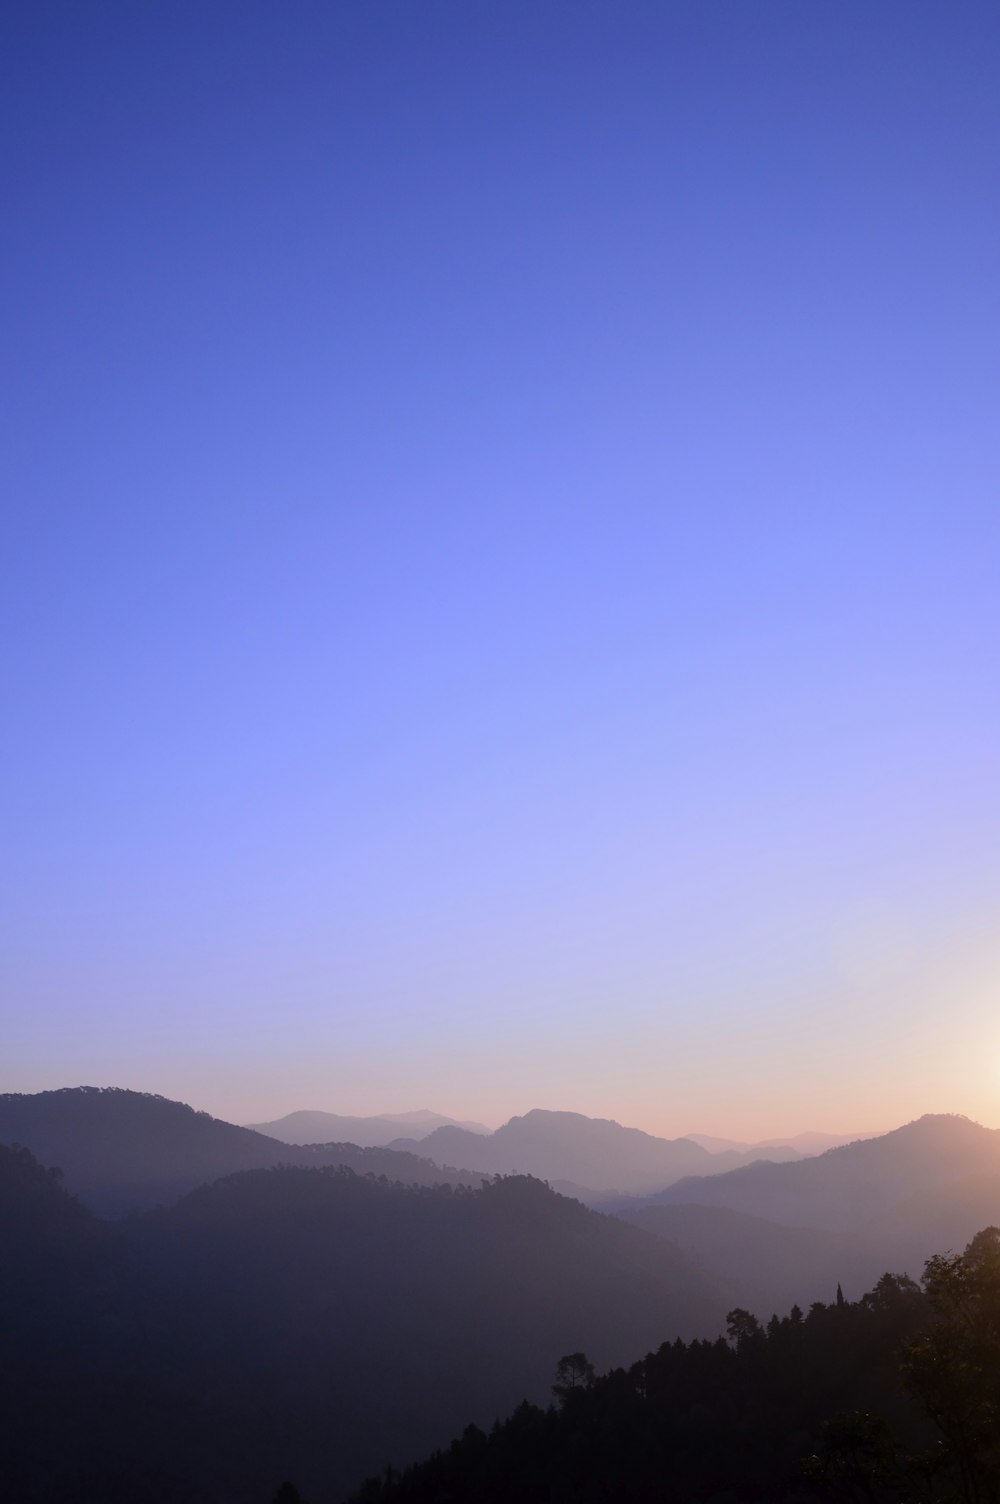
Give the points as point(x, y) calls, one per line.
point(954, 1370)
point(288, 1494)
point(742, 1327)
point(574, 1371)
point(858, 1458)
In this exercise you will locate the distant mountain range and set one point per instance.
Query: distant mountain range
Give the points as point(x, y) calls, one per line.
point(804, 1143)
point(369, 1132)
point(120, 1149)
point(385, 1130)
point(590, 1157)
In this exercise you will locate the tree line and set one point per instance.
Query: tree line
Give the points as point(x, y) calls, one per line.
point(892, 1399)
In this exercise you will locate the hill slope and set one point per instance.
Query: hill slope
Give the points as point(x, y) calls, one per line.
point(847, 1188)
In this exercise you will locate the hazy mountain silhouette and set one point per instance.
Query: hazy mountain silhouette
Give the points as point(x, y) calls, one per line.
point(596, 1155)
point(369, 1132)
point(301, 1322)
point(123, 1149)
point(814, 1143)
point(716, 1145)
point(849, 1187)
point(802, 1143)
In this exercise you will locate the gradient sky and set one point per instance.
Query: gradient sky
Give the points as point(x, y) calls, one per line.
point(502, 557)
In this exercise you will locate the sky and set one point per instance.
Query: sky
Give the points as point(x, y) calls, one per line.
point(501, 557)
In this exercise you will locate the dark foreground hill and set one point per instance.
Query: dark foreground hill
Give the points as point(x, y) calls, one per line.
point(595, 1155)
point(300, 1323)
point(851, 1187)
point(123, 1149)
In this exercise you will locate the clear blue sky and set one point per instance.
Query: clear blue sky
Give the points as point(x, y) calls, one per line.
point(502, 557)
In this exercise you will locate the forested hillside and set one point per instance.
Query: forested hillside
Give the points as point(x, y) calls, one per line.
point(302, 1322)
point(890, 1399)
